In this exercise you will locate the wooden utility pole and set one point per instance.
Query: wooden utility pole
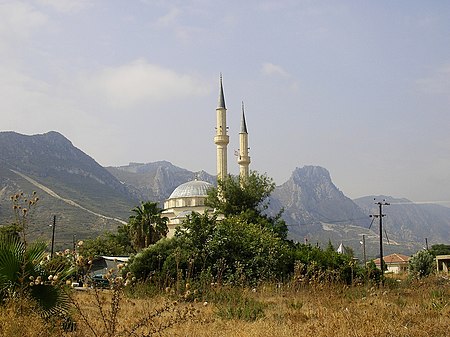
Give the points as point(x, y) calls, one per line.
point(74, 241)
point(380, 215)
point(53, 236)
point(364, 249)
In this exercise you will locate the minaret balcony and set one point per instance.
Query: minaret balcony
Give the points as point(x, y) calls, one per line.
point(221, 139)
point(243, 160)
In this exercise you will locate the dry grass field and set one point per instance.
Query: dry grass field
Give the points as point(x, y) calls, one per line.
point(406, 308)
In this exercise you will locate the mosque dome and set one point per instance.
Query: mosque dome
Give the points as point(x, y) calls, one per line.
point(195, 188)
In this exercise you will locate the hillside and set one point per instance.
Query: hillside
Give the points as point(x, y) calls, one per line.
point(83, 195)
point(89, 199)
point(408, 221)
point(155, 181)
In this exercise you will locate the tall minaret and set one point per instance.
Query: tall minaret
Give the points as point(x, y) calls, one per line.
point(221, 139)
point(243, 159)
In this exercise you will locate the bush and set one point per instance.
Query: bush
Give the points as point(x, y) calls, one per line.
point(421, 264)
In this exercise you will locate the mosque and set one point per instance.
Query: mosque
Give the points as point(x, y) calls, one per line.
point(190, 197)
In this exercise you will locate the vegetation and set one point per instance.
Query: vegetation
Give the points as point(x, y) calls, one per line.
point(24, 271)
point(407, 309)
point(111, 244)
point(440, 249)
point(421, 264)
point(247, 199)
point(146, 225)
point(233, 275)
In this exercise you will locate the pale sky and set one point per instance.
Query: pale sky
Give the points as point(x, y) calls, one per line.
point(361, 88)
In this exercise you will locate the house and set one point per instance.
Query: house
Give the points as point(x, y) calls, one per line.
point(395, 263)
point(443, 263)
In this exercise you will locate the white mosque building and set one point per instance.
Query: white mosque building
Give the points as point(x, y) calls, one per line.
point(190, 197)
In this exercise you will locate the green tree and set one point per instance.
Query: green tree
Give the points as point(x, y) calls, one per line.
point(248, 198)
point(421, 264)
point(440, 249)
point(146, 225)
point(10, 230)
point(107, 244)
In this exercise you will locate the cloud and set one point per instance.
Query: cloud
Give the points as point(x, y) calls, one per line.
point(280, 75)
point(271, 69)
point(140, 82)
point(66, 6)
point(169, 19)
point(17, 22)
point(438, 83)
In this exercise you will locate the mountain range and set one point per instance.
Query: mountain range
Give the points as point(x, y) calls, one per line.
point(88, 199)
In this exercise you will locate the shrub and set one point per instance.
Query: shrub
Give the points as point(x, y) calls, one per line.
point(421, 264)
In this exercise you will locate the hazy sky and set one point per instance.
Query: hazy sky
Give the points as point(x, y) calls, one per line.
point(361, 88)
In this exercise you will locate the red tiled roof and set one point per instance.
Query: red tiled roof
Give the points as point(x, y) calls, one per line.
point(393, 259)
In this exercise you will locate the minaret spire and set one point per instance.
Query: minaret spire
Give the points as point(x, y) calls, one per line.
point(243, 158)
point(221, 102)
point(221, 139)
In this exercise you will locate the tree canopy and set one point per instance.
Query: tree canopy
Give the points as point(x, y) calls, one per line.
point(146, 225)
point(248, 200)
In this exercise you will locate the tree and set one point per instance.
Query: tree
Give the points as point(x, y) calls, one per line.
point(146, 225)
point(248, 199)
point(421, 264)
point(440, 249)
point(234, 196)
point(107, 244)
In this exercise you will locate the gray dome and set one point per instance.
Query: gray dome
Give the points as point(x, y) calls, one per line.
point(196, 188)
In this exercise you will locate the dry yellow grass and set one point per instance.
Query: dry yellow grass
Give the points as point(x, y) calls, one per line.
point(419, 309)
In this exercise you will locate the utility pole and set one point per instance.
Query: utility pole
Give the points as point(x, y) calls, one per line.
point(426, 243)
point(74, 241)
point(364, 249)
point(53, 236)
point(380, 215)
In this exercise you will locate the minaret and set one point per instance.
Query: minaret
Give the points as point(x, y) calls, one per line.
point(243, 158)
point(221, 139)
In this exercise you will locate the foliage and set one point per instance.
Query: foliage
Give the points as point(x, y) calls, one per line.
point(108, 244)
point(146, 225)
point(11, 230)
point(233, 303)
point(234, 195)
point(312, 264)
point(440, 249)
point(151, 259)
point(247, 198)
point(421, 264)
point(23, 273)
point(231, 250)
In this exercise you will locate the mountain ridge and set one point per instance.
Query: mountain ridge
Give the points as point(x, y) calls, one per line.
point(314, 208)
